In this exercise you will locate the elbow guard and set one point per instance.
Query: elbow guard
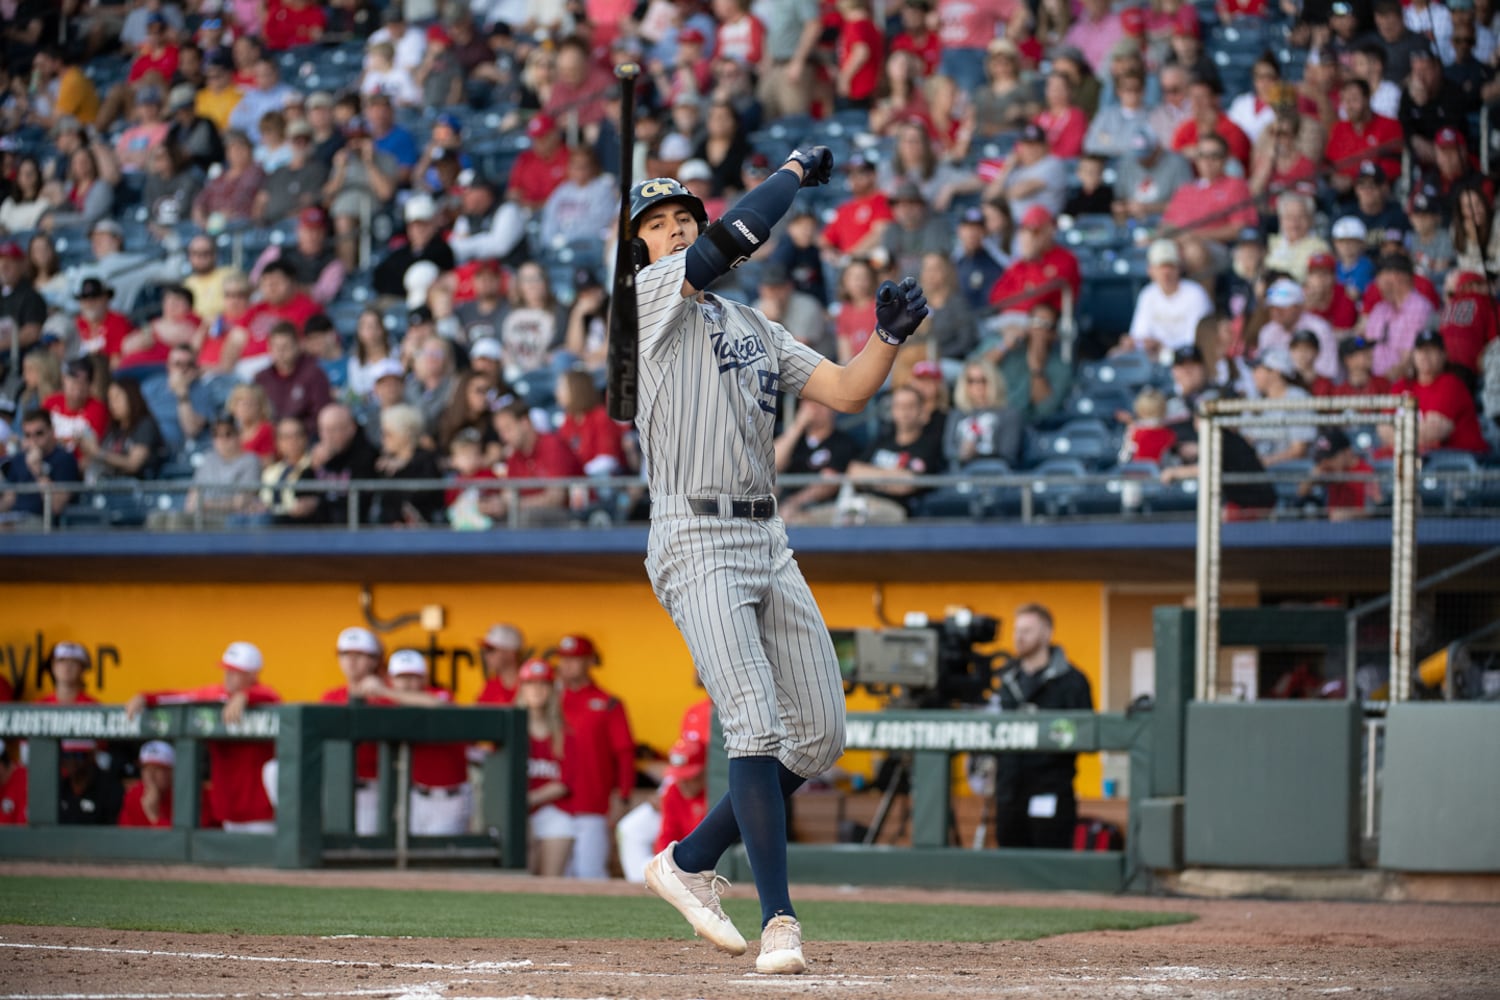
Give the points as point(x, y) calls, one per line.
point(742, 231)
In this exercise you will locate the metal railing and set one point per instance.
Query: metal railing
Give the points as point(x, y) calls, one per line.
point(1029, 497)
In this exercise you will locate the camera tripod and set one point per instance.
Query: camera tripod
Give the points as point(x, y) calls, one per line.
point(896, 769)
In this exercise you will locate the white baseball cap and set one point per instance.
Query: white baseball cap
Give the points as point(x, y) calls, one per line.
point(70, 651)
point(1163, 252)
point(419, 278)
point(695, 170)
point(1285, 292)
point(358, 640)
point(502, 636)
point(159, 752)
point(407, 662)
point(420, 208)
point(242, 656)
point(1349, 228)
point(386, 368)
point(486, 348)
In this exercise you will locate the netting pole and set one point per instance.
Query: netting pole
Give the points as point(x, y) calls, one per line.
point(1210, 519)
point(1403, 549)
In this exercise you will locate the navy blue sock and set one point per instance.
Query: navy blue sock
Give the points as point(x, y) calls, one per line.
point(755, 788)
point(700, 850)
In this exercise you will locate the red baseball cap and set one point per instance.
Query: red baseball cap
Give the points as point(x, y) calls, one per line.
point(576, 645)
point(690, 36)
point(687, 759)
point(537, 670)
point(313, 217)
point(540, 125)
point(1185, 29)
point(1322, 261)
point(1448, 137)
point(1036, 217)
point(435, 33)
point(1133, 21)
point(926, 369)
point(12, 251)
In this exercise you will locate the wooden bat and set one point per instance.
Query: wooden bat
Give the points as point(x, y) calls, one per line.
point(624, 330)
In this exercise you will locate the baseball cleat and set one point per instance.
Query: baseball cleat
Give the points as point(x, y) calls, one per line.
point(781, 948)
point(696, 896)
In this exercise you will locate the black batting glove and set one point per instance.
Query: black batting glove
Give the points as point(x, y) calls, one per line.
point(899, 310)
point(816, 164)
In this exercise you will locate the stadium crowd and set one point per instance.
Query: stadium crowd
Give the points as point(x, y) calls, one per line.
point(267, 245)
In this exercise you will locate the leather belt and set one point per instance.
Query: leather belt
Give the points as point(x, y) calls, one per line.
point(751, 508)
point(437, 791)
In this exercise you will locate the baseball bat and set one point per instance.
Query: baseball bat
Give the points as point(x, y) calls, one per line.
point(624, 330)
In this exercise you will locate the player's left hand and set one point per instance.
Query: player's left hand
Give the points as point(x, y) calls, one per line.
point(899, 310)
point(816, 164)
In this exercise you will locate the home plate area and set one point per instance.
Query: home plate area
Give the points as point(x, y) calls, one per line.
point(1234, 949)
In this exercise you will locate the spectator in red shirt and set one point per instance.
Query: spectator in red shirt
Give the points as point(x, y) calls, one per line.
point(295, 383)
point(360, 657)
point(684, 793)
point(1040, 272)
point(282, 300)
point(861, 54)
point(76, 411)
point(596, 440)
point(1149, 438)
point(1209, 119)
point(1361, 136)
point(604, 773)
point(1468, 323)
point(917, 36)
point(1064, 122)
point(501, 652)
point(1333, 455)
point(13, 790)
point(1358, 357)
point(149, 801)
point(581, 85)
point(1446, 415)
point(1325, 298)
point(101, 330)
point(441, 801)
point(741, 35)
point(534, 455)
point(548, 771)
point(290, 23)
point(70, 660)
point(1207, 216)
point(859, 223)
point(157, 54)
point(241, 772)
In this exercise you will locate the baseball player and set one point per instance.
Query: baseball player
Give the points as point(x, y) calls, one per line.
point(710, 375)
point(500, 650)
point(360, 653)
point(601, 755)
point(242, 772)
point(149, 801)
point(70, 661)
point(440, 804)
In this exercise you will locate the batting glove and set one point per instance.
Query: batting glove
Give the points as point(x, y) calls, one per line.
point(816, 163)
point(899, 310)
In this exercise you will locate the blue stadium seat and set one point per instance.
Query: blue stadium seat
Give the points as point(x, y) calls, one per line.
point(1100, 402)
point(1052, 492)
point(1447, 480)
point(1089, 441)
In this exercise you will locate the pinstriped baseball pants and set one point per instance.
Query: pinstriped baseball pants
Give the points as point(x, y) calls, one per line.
point(755, 634)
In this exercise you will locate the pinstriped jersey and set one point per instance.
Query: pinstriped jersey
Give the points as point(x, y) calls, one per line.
point(710, 375)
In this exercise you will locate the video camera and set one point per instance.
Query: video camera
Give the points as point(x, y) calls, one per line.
point(923, 664)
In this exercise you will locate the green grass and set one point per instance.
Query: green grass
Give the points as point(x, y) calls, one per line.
point(252, 909)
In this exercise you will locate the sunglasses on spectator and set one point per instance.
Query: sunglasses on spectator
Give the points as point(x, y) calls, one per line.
point(183, 366)
point(36, 435)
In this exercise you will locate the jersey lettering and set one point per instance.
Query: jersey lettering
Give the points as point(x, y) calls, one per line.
point(739, 353)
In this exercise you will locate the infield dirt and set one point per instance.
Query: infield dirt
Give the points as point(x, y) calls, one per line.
point(1234, 949)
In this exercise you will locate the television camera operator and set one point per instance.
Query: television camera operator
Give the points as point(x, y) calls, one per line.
point(1034, 801)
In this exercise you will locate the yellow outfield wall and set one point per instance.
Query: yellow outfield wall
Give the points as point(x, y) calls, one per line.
point(147, 636)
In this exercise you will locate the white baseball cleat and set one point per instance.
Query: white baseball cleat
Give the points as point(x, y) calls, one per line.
point(696, 896)
point(781, 948)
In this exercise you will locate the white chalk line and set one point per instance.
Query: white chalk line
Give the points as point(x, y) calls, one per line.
point(280, 959)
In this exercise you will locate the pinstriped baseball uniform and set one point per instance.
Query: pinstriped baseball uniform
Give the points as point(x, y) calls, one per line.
point(710, 372)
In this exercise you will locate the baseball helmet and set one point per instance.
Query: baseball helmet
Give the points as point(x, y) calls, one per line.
point(659, 189)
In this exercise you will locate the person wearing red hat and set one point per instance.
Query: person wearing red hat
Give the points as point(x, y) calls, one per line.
point(242, 773)
point(684, 795)
point(549, 770)
point(1040, 272)
point(290, 23)
point(1326, 298)
point(604, 769)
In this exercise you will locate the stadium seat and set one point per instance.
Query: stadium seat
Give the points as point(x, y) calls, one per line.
point(1447, 480)
point(1100, 402)
point(1288, 476)
point(1130, 372)
point(1052, 490)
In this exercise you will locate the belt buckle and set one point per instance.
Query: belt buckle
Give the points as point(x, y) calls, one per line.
point(762, 508)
